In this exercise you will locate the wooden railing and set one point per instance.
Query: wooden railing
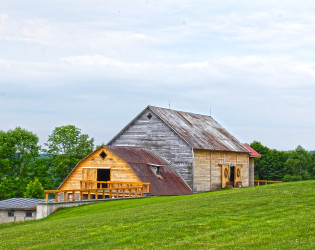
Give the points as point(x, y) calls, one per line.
point(113, 184)
point(121, 189)
point(266, 182)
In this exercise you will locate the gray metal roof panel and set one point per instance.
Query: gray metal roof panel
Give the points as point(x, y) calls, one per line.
point(199, 131)
point(20, 204)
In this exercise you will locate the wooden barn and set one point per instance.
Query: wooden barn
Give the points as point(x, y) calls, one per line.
point(204, 154)
point(119, 165)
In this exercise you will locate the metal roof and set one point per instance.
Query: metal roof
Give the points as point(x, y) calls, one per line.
point(253, 152)
point(168, 182)
point(199, 131)
point(20, 204)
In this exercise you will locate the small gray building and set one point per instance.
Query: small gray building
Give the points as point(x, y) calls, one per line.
point(18, 209)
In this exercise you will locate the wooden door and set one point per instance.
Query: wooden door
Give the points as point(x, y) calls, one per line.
point(89, 174)
point(237, 176)
point(225, 173)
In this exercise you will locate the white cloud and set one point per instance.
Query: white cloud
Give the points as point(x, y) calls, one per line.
point(18, 29)
point(253, 61)
point(272, 28)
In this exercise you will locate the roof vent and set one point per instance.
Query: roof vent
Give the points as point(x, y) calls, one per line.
point(149, 116)
point(156, 169)
point(103, 155)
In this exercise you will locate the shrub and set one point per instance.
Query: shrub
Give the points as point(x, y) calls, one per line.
point(34, 189)
point(289, 177)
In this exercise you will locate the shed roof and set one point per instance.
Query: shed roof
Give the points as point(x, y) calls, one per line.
point(20, 204)
point(253, 152)
point(140, 160)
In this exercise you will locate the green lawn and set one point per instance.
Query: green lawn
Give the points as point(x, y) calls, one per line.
point(271, 216)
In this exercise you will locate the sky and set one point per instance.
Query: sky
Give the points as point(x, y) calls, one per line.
point(96, 64)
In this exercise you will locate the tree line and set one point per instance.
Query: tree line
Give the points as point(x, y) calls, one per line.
point(26, 168)
point(295, 165)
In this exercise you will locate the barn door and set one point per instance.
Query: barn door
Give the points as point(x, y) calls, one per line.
point(238, 176)
point(225, 173)
point(89, 174)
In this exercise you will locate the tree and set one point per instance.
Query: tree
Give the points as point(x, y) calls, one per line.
point(66, 147)
point(18, 149)
point(300, 164)
point(8, 187)
point(34, 189)
point(41, 169)
point(271, 164)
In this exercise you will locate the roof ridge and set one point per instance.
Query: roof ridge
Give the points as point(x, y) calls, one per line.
point(181, 111)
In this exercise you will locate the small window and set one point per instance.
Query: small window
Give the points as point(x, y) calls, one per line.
point(149, 116)
point(103, 155)
point(10, 213)
point(28, 214)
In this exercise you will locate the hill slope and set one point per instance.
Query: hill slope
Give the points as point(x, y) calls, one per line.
point(272, 216)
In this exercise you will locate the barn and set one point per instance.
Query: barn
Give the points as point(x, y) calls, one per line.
point(175, 152)
point(203, 153)
point(122, 165)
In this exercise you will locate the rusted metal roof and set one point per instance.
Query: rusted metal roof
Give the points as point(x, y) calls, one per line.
point(20, 204)
point(142, 162)
point(253, 152)
point(199, 131)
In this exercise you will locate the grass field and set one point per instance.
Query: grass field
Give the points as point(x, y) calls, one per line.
point(271, 216)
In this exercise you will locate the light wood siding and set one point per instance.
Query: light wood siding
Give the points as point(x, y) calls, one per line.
point(154, 134)
point(208, 170)
point(251, 172)
point(202, 171)
point(119, 170)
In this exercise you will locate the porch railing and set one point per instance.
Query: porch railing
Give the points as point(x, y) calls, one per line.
point(113, 189)
point(266, 182)
point(113, 184)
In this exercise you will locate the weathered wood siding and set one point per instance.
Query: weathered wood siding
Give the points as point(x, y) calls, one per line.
point(119, 170)
point(154, 134)
point(207, 168)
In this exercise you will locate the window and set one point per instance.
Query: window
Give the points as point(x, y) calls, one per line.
point(103, 155)
point(10, 213)
point(28, 214)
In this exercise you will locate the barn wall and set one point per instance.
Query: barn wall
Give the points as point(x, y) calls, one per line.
point(207, 168)
point(119, 170)
point(251, 171)
point(154, 134)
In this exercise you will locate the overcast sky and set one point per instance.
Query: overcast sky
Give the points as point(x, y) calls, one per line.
point(98, 63)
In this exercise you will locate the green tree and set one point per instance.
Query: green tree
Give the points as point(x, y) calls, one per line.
point(300, 163)
point(271, 164)
point(41, 169)
point(8, 187)
point(66, 146)
point(34, 189)
point(18, 149)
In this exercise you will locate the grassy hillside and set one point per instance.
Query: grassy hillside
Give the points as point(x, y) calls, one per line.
point(271, 216)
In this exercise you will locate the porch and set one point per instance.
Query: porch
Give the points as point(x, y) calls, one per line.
point(100, 190)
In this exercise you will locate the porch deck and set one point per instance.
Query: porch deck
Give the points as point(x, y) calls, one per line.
point(101, 189)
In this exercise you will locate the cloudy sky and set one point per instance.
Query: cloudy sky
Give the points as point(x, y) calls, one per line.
point(98, 63)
